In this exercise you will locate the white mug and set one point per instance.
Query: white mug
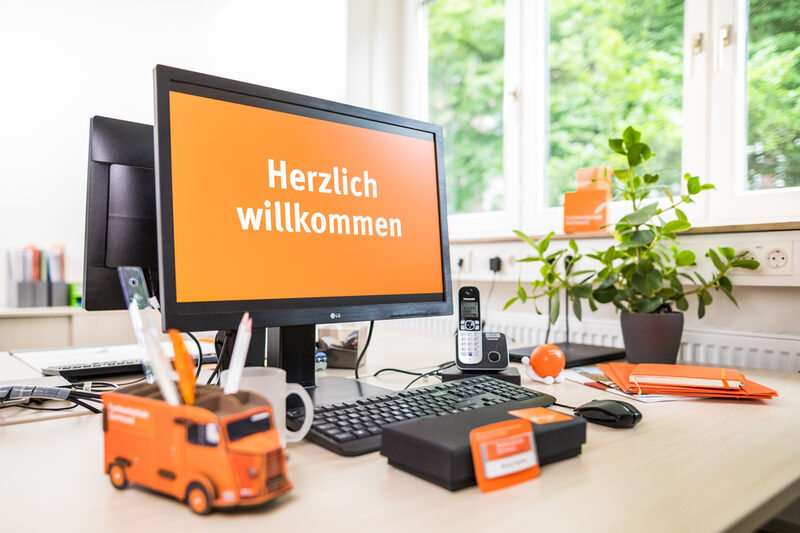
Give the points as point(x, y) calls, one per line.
point(271, 383)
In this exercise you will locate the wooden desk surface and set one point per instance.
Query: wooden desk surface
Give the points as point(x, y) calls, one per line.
point(706, 465)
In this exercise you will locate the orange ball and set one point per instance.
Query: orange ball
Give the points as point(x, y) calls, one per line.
point(547, 360)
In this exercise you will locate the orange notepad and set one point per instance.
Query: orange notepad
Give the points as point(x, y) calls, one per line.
point(687, 376)
point(620, 373)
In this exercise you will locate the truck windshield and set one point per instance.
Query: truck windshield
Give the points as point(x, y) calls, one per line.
point(239, 429)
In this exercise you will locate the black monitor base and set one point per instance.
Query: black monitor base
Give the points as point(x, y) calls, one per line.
point(293, 348)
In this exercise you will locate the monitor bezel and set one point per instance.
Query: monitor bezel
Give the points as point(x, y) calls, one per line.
point(300, 311)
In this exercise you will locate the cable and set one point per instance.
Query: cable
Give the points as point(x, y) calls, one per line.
point(547, 333)
point(440, 366)
point(199, 355)
point(25, 406)
point(366, 345)
point(564, 406)
point(220, 355)
point(488, 299)
point(431, 373)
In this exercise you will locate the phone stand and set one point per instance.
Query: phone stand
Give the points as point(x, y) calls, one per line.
point(510, 374)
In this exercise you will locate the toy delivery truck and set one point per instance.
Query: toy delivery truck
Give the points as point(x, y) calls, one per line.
point(222, 451)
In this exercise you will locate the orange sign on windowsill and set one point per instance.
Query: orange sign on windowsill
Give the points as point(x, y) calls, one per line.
point(580, 207)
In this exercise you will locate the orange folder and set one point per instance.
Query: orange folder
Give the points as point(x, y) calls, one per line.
point(620, 373)
point(685, 375)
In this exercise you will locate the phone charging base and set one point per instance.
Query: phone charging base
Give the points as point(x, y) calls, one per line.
point(510, 374)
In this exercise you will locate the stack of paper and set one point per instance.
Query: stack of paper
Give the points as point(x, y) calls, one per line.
point(684, 380)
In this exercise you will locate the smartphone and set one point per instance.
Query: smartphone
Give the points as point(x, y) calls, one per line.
point(469, 346)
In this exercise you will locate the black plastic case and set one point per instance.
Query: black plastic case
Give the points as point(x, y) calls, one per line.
point(437, 449)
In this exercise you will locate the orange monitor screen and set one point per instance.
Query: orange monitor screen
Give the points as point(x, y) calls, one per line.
point(272, 205)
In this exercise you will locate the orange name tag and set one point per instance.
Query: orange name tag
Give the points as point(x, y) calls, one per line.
point(540, 415)
point(504, 454)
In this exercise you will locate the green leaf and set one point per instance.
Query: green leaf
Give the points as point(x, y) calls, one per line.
point(555, 305)
point(726, 284)
point(651, 178)
point(676, 284)
point(608, 256)
point(676, 225)
point(668, 194)
point(529, 259)
point(719, 263)
point(605, 295)
point(510, 302)
point(525, 238)
point(576, 307)
point(701, 307)
point(653, 281)
point(706, 186)
point(608, 281)
point(727, 252)
point(640, 216)
point(544, 243)
point(649, 305)
point(644, 237)
point(685, 258)
point(706, 296)
point(682, 303)
point(699, 277)
point(582, 291)
point(631, 136)
point(622, 174)
point(749, 264)
point(522, 295)
point(573, 246)
point(592, 305)
point(616, 145)
point(693, 185)
point(680, 214)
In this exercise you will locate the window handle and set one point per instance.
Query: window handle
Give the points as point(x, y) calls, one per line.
point(723, 40)
point(696, 43)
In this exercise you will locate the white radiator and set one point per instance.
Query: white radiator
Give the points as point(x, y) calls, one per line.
point(699, 345)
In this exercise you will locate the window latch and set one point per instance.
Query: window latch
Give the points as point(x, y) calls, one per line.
point(724, 39)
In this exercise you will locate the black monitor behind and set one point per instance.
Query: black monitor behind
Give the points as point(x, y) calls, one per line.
point(120, 210)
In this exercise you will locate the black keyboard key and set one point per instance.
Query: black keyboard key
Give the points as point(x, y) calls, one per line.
point(343, 436)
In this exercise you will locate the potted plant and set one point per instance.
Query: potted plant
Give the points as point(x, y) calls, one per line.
point(644, 274)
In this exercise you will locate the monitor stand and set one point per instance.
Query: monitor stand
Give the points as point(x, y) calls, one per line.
point(293, 348)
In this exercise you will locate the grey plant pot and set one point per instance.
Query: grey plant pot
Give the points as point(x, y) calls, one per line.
point(652, 337)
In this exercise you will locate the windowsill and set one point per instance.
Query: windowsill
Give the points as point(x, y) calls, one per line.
point(733, 228)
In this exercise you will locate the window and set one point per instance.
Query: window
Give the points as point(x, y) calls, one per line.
point(613, 64)
point(773, 95)
point(465, 72)
point(202, 434)
point(713, 84)
point(239, 429)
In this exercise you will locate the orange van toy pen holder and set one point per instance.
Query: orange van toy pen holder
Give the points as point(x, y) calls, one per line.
point(221, 451)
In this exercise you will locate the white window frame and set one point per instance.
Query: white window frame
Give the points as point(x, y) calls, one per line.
point(714, 124)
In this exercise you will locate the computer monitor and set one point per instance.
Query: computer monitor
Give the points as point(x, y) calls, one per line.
point(120, 210)
point(295, 209)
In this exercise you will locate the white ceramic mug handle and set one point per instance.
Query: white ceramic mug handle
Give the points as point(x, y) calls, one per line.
point(296, 436)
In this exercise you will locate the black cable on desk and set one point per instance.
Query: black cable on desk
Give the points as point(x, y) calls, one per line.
point(366, 345)
point(431, 373)
point(199, 355)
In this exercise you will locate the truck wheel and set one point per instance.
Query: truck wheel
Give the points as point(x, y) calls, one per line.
point(197, 499)
point(116, 472)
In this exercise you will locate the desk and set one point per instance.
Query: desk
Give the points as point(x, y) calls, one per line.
point(706, 465)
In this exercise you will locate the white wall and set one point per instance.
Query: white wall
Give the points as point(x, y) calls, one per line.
point(65, 61)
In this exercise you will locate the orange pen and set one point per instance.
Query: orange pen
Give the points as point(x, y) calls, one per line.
point(184, 366)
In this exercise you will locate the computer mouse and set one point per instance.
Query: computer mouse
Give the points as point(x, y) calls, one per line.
point(611, 413)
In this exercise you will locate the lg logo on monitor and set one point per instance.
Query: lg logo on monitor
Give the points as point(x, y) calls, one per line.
point(336, 315)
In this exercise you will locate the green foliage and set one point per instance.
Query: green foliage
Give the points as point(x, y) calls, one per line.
point(465, 79)
point(642, 272)
point(773, 98)
point(613, 63)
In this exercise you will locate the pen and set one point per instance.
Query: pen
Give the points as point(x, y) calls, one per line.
point(184, 366)
point(239, 354)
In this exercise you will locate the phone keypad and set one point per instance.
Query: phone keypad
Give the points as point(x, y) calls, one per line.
point(469, 347)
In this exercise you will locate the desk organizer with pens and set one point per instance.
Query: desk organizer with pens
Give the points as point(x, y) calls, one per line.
point(222, 451)
point(199, 444)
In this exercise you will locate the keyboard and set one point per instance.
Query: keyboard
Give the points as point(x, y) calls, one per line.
point(92, 362)
point(355, 427)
